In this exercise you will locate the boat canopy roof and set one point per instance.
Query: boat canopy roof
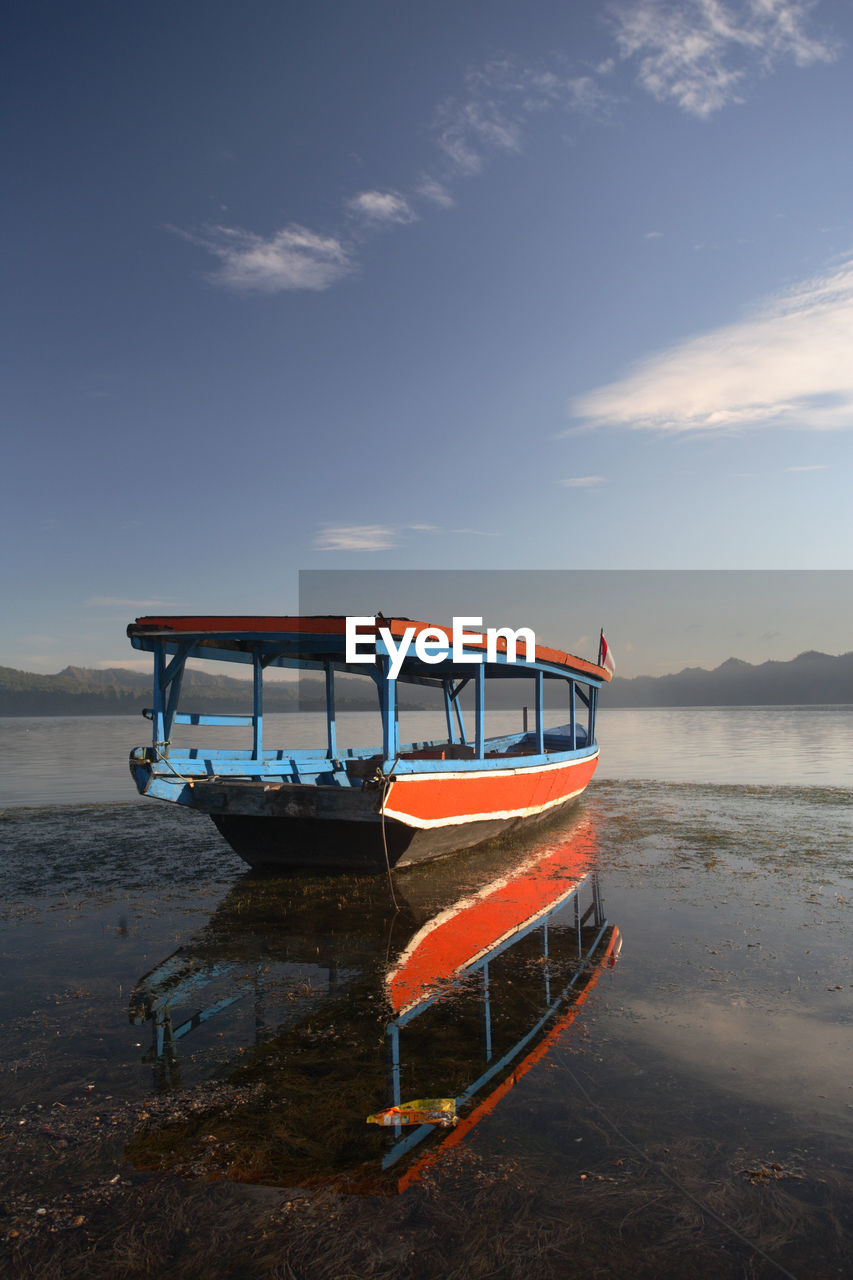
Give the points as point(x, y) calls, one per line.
point(313, 643)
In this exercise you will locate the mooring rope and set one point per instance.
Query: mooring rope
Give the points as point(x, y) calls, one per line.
point(387, 779)
point(167, 743)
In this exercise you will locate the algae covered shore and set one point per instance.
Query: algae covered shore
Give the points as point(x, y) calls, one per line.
point(694, 1113)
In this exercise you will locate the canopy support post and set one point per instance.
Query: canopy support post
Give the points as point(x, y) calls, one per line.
point(257, 704)
point(448, 711)
point(390, 731)
point(331, 724)
point(158, 714)
point(480, 727)
point(540, 713)
point(173, 677)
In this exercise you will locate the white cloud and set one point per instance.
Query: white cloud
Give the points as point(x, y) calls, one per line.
point(381, 206)
point(290, 259)
point(788, 364)
point(696, 53)
point(375, 537)
point(470, 128)
point(435, 191)
point(816, 466)
point(499, 99)
point(356, 537)
point(654, 235)
point(584, 94)
point(583, 482)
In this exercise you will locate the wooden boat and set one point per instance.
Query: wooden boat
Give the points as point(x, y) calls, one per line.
point(354, 808)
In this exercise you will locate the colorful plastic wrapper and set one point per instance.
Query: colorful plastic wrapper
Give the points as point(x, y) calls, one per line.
point(421, 1111)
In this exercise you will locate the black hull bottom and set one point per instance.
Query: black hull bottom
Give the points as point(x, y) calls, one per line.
point(339, 844)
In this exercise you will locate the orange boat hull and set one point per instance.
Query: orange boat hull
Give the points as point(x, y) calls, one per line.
point(418, 816)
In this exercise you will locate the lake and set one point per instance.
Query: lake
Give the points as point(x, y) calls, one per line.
point(190, 1052)
point(70, 759)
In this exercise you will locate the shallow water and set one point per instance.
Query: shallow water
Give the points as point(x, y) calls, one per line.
point(83, 759)
point(688, 1107)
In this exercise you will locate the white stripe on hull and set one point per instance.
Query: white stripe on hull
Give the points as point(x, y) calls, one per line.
point(494, 815)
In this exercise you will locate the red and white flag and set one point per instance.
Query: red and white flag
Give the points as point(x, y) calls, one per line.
point(605, 657)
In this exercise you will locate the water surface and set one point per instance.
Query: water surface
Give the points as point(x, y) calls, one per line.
point(177, 1032)
point(70, 759)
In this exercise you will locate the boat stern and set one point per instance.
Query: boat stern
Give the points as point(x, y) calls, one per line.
point(159, 784)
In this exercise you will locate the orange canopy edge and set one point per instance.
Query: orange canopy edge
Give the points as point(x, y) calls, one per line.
point(335, 624)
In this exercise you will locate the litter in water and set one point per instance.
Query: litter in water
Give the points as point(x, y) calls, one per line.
point(421, 1111)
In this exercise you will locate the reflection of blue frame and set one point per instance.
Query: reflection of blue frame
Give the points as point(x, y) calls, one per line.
point(159, 1007)
point(404, 1145)
point(182, 975)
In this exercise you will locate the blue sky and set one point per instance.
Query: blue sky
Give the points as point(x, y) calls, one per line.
point(395, 285)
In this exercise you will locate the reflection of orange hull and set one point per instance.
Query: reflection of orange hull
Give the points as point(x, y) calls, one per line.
point(477, 997)
point(459, 936)
point(415, 1171)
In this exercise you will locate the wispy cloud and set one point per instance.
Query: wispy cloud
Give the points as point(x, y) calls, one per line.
point(694, 53)
point(697, 53)
point(486, 119)
point(381, 206)
point(468, 129)
point(788, 364)
point(376, 537)
point(290, 259)
point(490, 116)
point(436, 192)
point(583, 482)
point(127, 602)
point(356, 537)
point(815, 466)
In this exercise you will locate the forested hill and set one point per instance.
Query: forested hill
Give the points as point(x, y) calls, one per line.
point(79, 691)
point(118, 691)
point(811, 677)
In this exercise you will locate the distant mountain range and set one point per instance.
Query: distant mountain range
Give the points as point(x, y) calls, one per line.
point(119, 691)
point(809, 678)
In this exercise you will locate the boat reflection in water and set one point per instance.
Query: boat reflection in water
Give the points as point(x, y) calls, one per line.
point(334, 1004)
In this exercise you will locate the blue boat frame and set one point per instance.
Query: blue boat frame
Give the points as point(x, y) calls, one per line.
point(171, 771)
